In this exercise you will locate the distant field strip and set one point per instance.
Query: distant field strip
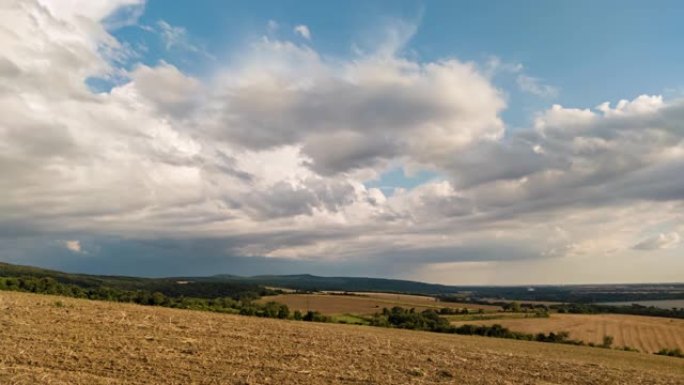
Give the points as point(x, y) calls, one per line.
point(648, 334)
point(364, 304)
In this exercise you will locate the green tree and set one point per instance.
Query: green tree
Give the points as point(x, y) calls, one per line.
point(283, 312)
point(607, 342)
point(157, 299)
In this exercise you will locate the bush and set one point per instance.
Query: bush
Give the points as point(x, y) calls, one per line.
point(607, 342)
point(410, 319)
point(283, 312)
point(629, 349)
point(676, 352)
point(314, 316)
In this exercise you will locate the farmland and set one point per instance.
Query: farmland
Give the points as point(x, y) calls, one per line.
point(56, 340)
point(648, 334)
point(364, 303)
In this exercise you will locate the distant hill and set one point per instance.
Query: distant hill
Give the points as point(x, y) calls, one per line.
point(550, 293)
point(172, 287)
point(313, 283)
point(229, 285)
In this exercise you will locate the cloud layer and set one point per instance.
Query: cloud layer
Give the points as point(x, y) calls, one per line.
point(270, 157)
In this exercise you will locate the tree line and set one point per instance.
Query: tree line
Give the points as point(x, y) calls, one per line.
point(430, 320)
point(634, 309)
point(241, 303)
point(573, 308)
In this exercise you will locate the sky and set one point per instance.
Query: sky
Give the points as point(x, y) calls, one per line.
point(456, 142)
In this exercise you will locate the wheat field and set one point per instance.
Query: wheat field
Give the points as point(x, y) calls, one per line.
point(54, 340)
point(364, 303)
point(648, 334)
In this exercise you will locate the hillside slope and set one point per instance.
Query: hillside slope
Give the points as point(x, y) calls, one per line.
point(312, 282)
point(166, 286)
point(55, 340)
point(552, 293)
point(235, 286)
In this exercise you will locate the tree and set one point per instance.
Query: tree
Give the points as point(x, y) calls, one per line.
point(314, 316)
point(607, 341)
point(283, 312)
point(297, 315)
point(157, 298)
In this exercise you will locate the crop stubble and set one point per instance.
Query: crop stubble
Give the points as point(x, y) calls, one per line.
point(86, 342)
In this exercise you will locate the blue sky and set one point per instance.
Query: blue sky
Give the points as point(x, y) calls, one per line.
point(463, 142)
point(591, 51)
point(588, 52)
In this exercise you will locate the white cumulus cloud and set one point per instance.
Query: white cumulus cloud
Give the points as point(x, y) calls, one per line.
point(73, 245)
point(303, 31)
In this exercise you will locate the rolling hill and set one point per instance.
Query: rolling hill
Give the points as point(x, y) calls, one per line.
point(171, 287)
point(232, 285)
point(53, 340)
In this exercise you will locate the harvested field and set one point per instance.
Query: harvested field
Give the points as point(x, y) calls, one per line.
point(400, 297)
point(546, 303)
point(648, 334)
point(54, 340)
point(363, 303)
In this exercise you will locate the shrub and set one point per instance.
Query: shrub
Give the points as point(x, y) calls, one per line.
point(629, 349)
point(607, 342)
point(676, 352)
point(314, 316)
point(283, 312)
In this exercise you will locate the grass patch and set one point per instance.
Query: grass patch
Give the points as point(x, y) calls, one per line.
point(351, 319)
point(487, 316)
